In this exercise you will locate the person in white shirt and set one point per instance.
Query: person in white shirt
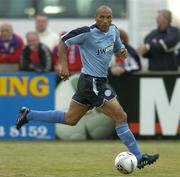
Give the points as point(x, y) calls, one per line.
point(46, 35)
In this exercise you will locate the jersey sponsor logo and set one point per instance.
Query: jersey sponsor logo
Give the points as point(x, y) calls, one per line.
point(105, 50)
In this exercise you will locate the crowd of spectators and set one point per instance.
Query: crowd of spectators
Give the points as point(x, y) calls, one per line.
point(39, 52)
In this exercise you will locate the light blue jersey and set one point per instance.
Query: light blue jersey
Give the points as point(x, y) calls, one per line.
point(96, 48)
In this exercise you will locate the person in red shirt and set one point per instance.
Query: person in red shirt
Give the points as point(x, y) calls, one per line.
point(74, 58)
point(11, 45)
point(36, 56)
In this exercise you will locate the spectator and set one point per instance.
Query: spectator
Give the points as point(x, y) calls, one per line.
point(36, 56)
point(131, 63)
point(74, 58)
point(46, 35)
point(11, 46)
point(160, 44)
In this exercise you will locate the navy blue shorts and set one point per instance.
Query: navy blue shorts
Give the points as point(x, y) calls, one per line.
point(92, 91)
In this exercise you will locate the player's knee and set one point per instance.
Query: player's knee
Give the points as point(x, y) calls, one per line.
point(120, 117)
point(125, 116)
point(70, 120)
point(72, 123)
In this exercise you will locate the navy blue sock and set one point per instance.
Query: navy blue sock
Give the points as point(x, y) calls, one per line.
point(126, 136)
point(46, 116)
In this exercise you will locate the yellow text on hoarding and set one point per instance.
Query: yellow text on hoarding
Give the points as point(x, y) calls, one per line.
point(13, 85)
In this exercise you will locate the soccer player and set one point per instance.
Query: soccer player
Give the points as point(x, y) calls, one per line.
point(97, 44)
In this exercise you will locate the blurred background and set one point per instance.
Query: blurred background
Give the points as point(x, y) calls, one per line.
point(150, 97)
point(136, 17)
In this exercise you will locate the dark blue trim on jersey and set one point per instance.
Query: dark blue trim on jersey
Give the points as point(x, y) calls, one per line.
point(94, 26)
point(76, 32)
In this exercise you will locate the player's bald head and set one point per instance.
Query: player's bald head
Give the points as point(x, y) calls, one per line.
point(103, 8)
point(103, 18)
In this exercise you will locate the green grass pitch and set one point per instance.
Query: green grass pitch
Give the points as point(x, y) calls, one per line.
point(82, 159)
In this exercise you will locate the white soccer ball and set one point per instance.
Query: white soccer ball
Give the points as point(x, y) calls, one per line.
point(126, 162)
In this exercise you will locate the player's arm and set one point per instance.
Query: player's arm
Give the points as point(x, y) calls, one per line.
point(63, 61)
point(119, 49)
point(76, 36)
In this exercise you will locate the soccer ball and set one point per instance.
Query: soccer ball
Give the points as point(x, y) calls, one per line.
point(125, 162)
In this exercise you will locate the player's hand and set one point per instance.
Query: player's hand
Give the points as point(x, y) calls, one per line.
point(63, 72)
point(122, 53)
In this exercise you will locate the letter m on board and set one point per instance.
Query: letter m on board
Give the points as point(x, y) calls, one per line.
point(154, 98)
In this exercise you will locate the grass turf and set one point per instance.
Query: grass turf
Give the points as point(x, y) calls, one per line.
point(82, 159)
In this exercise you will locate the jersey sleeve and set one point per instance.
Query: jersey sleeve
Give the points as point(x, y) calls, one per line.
point(76, 36)
point(118, 43)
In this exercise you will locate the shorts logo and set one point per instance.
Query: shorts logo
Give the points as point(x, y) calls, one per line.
point(107, 92)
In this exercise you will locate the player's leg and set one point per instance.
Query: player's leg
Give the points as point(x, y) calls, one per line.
point(75, 113)
point(114, 110)
point(78, 107)
point(71, 117)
